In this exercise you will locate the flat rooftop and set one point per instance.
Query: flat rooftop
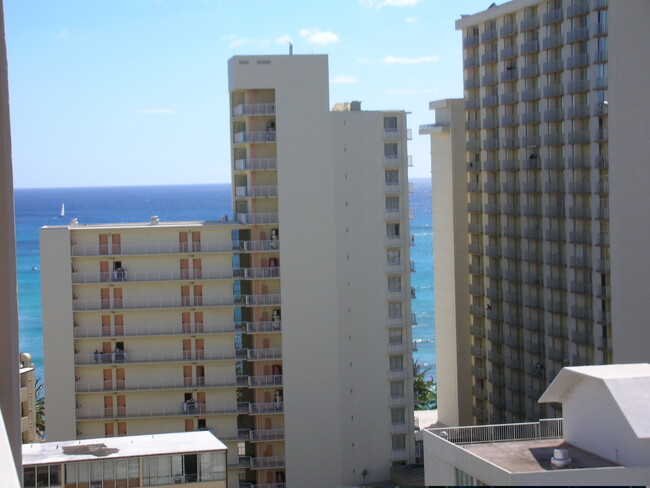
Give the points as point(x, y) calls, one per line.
point(534, 455)
point(148, 225)
point(120, 447)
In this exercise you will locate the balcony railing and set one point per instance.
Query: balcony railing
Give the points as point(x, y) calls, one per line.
point(174, 275)
point(267, 435)
point(265, 381)
point(174, 302)
point(261, 164)
point(552, 41)
point(530, 94)
point(157, 330)
point(161, 410)
point(252, 137)
point(490, 57)
point(577, 34)
point(157, 248)
point(578, 112)
point(529, 47)
point(509, 97)
point(528, 71)
point(544, 429)
point(508, 30)
point(490, 79)
point(470, 41)
point(140, 357)
point(489, 35)
point(268, 462)
point(152, 384)
point(266, 408)
point(256, 191)
point(392, 133)
point(510, 120)
point(257, 218)
point(578, 86)
point(578, 7)
point(529, 23)
point(552, 16)
point(509, 74)
point(264, 354)
point(577, 60)
point(254, 109)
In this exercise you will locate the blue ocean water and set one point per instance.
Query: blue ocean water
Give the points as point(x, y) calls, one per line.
point(35, 208)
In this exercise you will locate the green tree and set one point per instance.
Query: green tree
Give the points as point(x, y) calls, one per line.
point(40, 408)
point(424, 388)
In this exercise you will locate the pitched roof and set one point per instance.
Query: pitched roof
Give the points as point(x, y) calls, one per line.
point(628, 384)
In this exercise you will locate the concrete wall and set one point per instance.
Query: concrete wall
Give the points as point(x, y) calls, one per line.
point(58, 342)
point(629, 178)
point(9, 380)
point(449, 215)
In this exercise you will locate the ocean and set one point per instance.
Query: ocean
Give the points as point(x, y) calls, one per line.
point(35, 208)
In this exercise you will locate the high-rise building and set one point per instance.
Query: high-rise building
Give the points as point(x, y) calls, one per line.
point(285, 330)
point(27, 400)
point(555, 188)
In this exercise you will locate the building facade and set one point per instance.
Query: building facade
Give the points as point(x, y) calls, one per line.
point(27, 400)
point(544, 287)
point(197, 459)
point(287, 323)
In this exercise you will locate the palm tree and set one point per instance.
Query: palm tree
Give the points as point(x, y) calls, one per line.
point(425, 390)
point(40, 408)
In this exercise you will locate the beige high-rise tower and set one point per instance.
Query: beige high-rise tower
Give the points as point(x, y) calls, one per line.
point(285, 330)
point(555, 126)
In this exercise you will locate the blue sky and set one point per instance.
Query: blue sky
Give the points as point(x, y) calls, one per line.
point(134, 92)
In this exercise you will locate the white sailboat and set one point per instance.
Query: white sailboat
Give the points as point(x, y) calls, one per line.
point(63, 210)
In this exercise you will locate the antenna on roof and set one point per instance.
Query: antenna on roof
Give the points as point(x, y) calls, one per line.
point(290, 48)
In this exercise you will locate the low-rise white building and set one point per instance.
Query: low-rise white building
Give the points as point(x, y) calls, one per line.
point(196, 458)
point(604, 438)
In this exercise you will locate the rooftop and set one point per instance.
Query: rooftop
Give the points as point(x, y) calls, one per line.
point(150, 224)
point(533, 455)
point(120, 447)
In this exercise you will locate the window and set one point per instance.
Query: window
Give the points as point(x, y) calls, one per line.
point(390, 124)
point(395, 336)
point(395, 310)
point(393, 256)
point(392, 203)
point(396, 363)
point(397, 389)
point(392, 176)
point(392, 230)
point(399, 441)
point(390, 150)
point(397, 415)
point(395, 283)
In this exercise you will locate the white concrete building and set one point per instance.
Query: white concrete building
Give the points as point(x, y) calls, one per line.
point(604, 438)
point(553, 202)
point(197, 459)
point(27, 400)
point(288, 323)
point(10, 432)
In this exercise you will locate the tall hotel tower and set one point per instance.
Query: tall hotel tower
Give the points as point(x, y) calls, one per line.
point(286, 331)
point(554, 203)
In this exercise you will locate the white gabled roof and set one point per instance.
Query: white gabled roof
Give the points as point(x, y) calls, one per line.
point(628, 384)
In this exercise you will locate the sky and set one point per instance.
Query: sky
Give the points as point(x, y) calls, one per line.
point(135, 92)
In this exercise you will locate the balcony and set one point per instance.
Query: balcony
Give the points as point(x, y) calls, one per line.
point(393, 214)
point(264, 354)
point(509, 165)
point(531, 324)
point(552, 16)
point(171, 302)
point(578, 162)
point(471, 62)
point(584, 338)
point(604, 317)
point(493, 293)
point(601, 135)
point(534, 347)
point(600, 29)
point(602, 213)
point(510, 74)
point(601, 83)
point(157, 384)
point(253, 109)
point(470, 41)
point(509, 97)
point(490, 144)
point(510, 209)
point(493, 272)
point(394, 267)
point(577, 61)
point(254, 137)
point(473, 186)
point(492, 208)
point(396, 348)
point(476, 310)
point(578, 7)
point(161, 410)
point(581, 288)
point(490, 57)
point(580, 187)
point(397, 374)
point(579, 212)
point(554, 306)
point(603, 266)
point(473, 166)
point(553, 41)
point(477, 331)
point(490, 122)
point(495, 335)
point(553, 163)
point(257, 218)
point(579, 112)
point(478, 372)
point(508, 30)
point(554, 187)
point(579, 137)
point(532, 255)
point(555, 139)
point(495, 358)
point(479, 393)
point(552, 66)
point(473, 124)
point(600, 4)
point(153, 357)
point(529, 47)
point(256, 191)
point(491, 186)
point(530, 141)
point(267, 462)
point(529, 71)
point(530, 94)
point(558, 355)
point(476, 248)
point(532, 233)
point(267, 435)
point(260, 164)
point(493, 315)
point(578, 34)
point(553, 90)
point(490, 101)
point(510, 142)
point(489, 35)
point(478, 351)
point(601, 108)
point(528, 24)
point(472, 103)
point(473, 145)
point(513, 319)
point(580, 237)
point(157, 330)
point(578, 86)
point(510, 120)
point(492, 229)
point(605, 343)
point(555, 284)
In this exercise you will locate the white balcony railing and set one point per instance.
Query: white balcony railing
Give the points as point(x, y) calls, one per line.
point(267, 462)
point(254, 137)
point(174, 275)
point(156, 248)
point(256, 191)
point(391, 133)
point(155, 330)
point(266, 408)
point(174, 302)
point(264, 354)
point(257, 218)
point(141, 357)
point(162, 410)
point(265, 381)
point(267, 435)
point(544, 429)
point(259, 164)
point(254, 109)
point(149, 384)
